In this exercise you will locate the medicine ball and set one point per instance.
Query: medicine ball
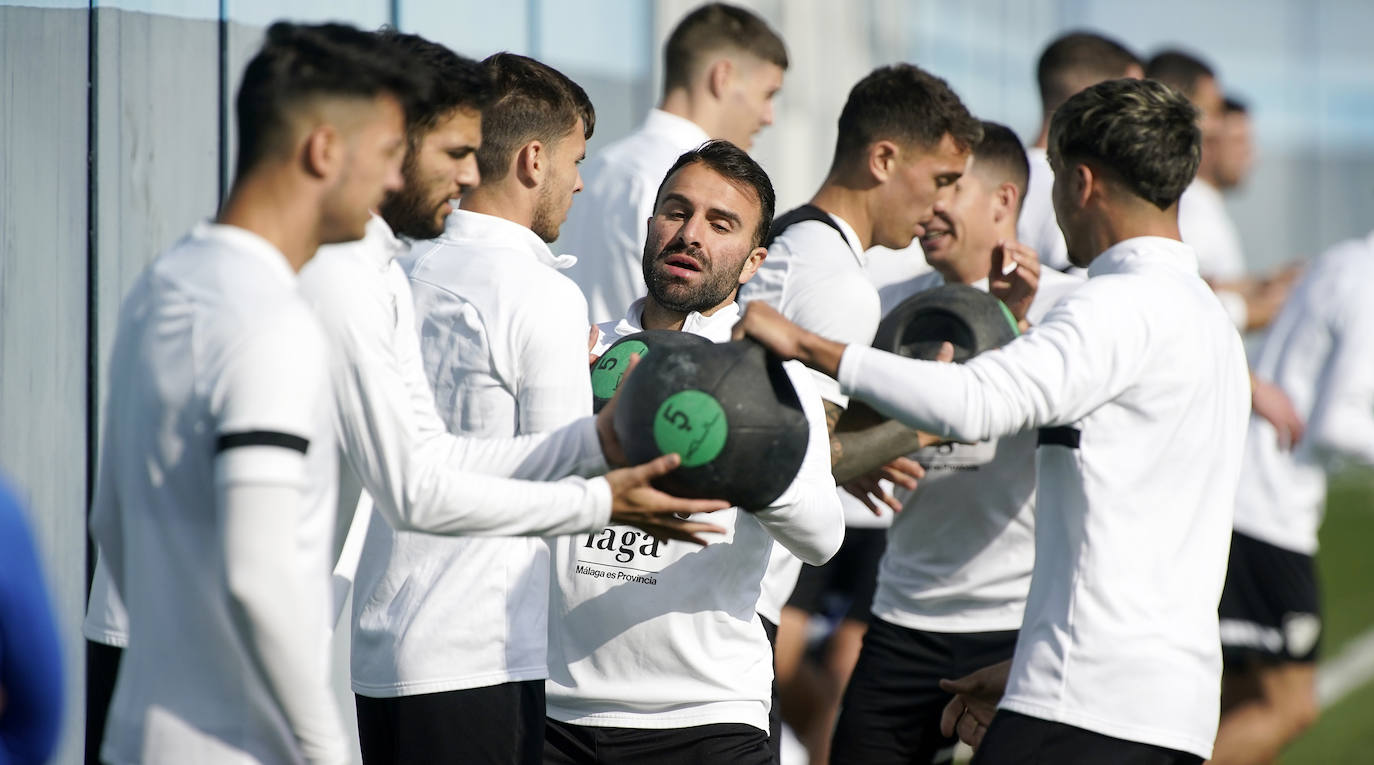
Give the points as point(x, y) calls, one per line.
point(610, 368)
point(970, 319)
point(730, 411)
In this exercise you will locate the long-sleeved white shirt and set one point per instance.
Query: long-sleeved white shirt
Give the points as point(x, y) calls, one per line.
point(214, 511)
point(607, 227)
point(503, 342)
point(646, 634)
point(960, 553)
point(1319, 352)
point(1143, 371)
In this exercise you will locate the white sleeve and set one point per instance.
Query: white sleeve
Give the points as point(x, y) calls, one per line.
point(1083, 355)
point(1341, 427)
point(264, 405)
point(553, 386)
point(808, 519)
point(423, 479)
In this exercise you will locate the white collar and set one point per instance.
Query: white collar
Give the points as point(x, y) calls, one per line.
point(679, 130)
point(715, 327)
point(1131, 254)
point(249, 243)
point(851, 237)
point(466, 225)
point(381, 243)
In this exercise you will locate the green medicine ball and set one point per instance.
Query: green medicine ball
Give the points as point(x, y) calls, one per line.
point(609, 369)
point(730, 411)
point(971, 320)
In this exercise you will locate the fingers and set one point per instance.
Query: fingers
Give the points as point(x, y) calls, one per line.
point(861, 494)
point(946, 353)
point(949, 718)
point(657, 467)
point(970, 730)
point(671, 528)
point(904, 472)
point(646, 499)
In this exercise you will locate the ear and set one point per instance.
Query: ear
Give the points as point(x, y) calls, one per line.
point(752, 263)
point(531, 163)
point(1004, 199)
point(718, 76)
point(1083, 183)
point(322, 152)
point(882, 160)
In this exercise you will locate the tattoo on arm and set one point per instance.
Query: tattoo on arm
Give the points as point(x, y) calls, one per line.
point(832, 420)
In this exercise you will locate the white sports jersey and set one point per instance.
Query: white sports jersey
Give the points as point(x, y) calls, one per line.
point(1038, 228)
point(217, 381)
point(607, 227)
point(978, 500)
point(1318, 351)
point(1140, 382)
point(648, 634)
point(503, 341)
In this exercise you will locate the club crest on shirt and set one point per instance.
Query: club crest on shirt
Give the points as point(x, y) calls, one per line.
point(621, 554)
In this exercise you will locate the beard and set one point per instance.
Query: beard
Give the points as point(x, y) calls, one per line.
point(680, 297)
point(544, 223)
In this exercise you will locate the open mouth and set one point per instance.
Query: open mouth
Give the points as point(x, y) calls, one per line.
point(931, 238)
point(680, 262)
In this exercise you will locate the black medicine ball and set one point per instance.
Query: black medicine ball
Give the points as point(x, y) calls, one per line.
point(970, 319)
point(728, 409)
point(610, 368)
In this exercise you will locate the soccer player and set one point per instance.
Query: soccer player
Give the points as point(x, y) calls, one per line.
point(952, 584)
point(1318, 352)
point(503, 345)
point(904, 139)
point(671, 664)
point(1068, 65)
point(214, 507)
point(722, 66)
point(1142, 414)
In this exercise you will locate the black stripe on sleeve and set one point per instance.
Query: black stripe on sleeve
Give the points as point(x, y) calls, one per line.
point(261, 438)
point(1060, 436)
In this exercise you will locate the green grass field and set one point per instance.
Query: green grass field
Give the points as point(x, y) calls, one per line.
point(1345, 733)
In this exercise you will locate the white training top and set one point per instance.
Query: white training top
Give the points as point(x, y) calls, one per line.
point(978, 500)
point(1207, 227)
point(1038, 228)
point(1318, 351)
point(607, 227)
point(647, 634)
point(503, 342)
point(218, 395)
point(890, 271)
point(1141, 366)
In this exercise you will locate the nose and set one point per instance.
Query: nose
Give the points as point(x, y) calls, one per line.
point(690, 232)
point(577, 186)
point(768, 112)
point(468, 176)
point(394, 180)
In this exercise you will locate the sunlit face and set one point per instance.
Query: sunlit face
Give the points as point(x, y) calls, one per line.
point(963, 228)
point(562, 181)
point(700, 245)
point(749, 99)
point(1235, 149)
point(922, 176)
point(373, 147)
point(1068, 213)
point(441, 167)
point(1208, 99)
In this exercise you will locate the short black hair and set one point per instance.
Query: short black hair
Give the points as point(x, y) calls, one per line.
point(450, 81)
point(530, 101)
point(1179, 70)
point(1001, 152)
point(713, 28)
point(1075, 61)
point(738, 168)
point(906, 104)
point(1142, 131)
point(302, 62)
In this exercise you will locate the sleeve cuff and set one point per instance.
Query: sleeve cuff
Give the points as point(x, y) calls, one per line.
point(851, 364)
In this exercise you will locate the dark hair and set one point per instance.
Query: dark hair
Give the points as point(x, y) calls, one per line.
point(738, 168)
point(302, 62)
point(1232, 105)
point(713, 28)
point(450, 81)
point(1077, 60)
point(531, 101)
point(1142, 131)
point(1180, 71)
point(1002, 151)
point(906, 104)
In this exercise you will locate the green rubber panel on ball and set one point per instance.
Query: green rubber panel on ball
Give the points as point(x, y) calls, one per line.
point(610, 368)
point(1006, 313)
point(692, 424)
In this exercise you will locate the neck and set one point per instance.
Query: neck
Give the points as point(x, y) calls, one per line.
point(274, 206)
point(698, 108)
point(1042, 141)
point(1137, 219)
point(849, 202)
point(502, 200)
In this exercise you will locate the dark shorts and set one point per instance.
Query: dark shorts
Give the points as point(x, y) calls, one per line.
point(499, 724)
point(891, 708)
point(843, 588)
point(774, 708)
point(1017, 739)
point(1269, 609)
point(722, 744)
point(102, 667)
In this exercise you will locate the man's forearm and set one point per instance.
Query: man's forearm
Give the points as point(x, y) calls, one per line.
point(821, 354)
point(855, 453)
